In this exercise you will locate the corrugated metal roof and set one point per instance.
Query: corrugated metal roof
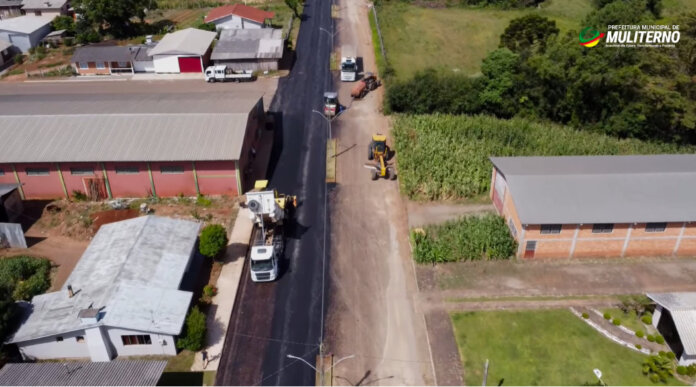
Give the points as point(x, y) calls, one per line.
point(682, 307)
point(259, 43)
point(189, 41)
point(114, 373)
point(133, 270)
point(10, 3)
point(43, 4)
point(102, 53)
point(601, 189)
point(24, 24)
point(128, 127)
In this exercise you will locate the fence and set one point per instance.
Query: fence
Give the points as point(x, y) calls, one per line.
point(379, 33)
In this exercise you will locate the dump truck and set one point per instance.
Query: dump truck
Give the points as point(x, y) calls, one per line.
point(224, 73)
point(349, 64)
point(378, 151)
point(269, 210)
point(367, 84)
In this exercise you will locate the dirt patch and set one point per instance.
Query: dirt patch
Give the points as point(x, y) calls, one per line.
point(423, 214)
point(105, 217)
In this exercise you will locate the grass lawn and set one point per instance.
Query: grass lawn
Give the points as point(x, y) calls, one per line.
point(457, 39)
point(541, 347)
point(629, 320)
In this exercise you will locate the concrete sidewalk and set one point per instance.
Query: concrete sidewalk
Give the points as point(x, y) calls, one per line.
point(231, 275)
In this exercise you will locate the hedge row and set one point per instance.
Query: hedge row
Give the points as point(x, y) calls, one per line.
point(446, 157)
point(467, 239)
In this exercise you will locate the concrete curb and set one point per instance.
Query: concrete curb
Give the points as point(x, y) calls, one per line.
point(607, 334)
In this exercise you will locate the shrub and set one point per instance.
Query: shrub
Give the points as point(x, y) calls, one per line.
point(671, 355)
point(209, 290)
point(585, 315)
point(691, 370)
point(616, 322)
point(646, 319)
point(638, 346)
point(607, 316)
point(19, 59)
point(658, 368)
point(207, 27)
point(659, 339)
point(79, 196)
point(213, 240)
point(26, 276)
point(203, 201)
point(681, 370)
point(651, 338)
point(640, 334)
point(193, 338)
point(470, 238)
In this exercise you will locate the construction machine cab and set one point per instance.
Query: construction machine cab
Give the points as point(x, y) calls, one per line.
point(330, 104)
point(378, 147)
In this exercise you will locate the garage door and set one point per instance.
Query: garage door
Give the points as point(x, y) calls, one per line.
point(190, 64)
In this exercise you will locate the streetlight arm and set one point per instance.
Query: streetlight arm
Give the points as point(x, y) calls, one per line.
point(321, 114)
point(340, 360)
point(302, 360)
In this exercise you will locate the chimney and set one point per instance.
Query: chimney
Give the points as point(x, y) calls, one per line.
point(70, 291)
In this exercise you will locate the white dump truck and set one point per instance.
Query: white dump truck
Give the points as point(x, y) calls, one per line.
point(223, 73)
point(349, 64)
point(268, 211)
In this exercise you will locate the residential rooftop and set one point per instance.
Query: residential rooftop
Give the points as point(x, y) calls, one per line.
point(240, 10)
point(113, 373)
point(43, 4)
point(189, 41)
point(24, 24)
point(101, 53)
point(601, 189)
point(131, 272)
point(682, 308)
point(256, 43)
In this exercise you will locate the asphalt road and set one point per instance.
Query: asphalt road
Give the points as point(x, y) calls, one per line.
point(273, 320)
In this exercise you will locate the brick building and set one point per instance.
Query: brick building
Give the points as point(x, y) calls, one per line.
point(128, 145)
point(598, 206)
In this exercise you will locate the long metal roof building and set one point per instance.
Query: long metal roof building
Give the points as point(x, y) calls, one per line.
point(115, 373)
point(601, 189)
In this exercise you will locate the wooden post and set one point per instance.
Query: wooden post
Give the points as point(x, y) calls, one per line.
point(62, 181)
point(106, 181)
point(195, 178)
point(21, 190)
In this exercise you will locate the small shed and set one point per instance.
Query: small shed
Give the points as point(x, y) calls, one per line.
point(258, 49)
point(675, 319)
point(10, 203)
point(25, 32)
point(185, 51)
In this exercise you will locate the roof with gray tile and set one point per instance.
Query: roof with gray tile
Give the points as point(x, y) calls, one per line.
point(43, 4)
point(24, 24)
point(101, 54)
point(124, 127)
point(257, 43)
point(10, 3)
point(601, 189)
point(682, 307)
point(189, 41)
point(113, 373)
point(131, 272)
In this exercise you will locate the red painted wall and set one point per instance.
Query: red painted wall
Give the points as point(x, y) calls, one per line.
point(40, 187)
point(217, 177)
point(74, 182)
point(129, 185)
point(168, 184)
point(6, 175)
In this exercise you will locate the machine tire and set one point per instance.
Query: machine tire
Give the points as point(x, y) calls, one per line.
point(392, 176)
point(254, 206)
point(370, 152)
point(374, 175)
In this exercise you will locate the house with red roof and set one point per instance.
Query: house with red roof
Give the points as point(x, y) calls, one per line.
point(238, 16)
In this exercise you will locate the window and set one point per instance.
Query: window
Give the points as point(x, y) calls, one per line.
point(513, 229)
point(655, 227)
point(100, 66)
point(82, 171)
point(127, 170)
point(59, 338)
point(123, 65)
point(602, 228)
point(80, 339)
point(171, 169)
point(531, 246)
point(136, 340)
point(84, 65)
point(551, 228)
point(37, 171)
point(2, 172)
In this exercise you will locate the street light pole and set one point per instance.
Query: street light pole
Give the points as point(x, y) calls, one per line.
point(323, 370)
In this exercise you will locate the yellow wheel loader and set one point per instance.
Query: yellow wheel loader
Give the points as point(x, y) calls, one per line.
point(378, 151)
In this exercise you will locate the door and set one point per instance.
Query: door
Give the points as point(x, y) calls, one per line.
point(190, 64)
point(529, 249)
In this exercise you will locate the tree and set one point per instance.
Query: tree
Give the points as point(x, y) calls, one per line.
point(213, 240)
point(63, 22)
point(526, 32)
point(294, 5)
point(500, 70)
point(193, 338)
point(207, 27)
point(113, 17)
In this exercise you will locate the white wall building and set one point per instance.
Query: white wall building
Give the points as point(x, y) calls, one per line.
point(185, 51)
point(25, 32)
point(675, 319)
point(238, 16)
point(122, 298)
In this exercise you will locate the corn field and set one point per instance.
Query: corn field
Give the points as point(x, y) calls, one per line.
point(445, 157)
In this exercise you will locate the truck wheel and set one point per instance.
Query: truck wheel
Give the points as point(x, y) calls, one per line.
point(374, 175)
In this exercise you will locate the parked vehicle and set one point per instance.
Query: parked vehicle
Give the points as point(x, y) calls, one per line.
point(367, 84)
point(223, 73)
point(269, 210)
point(331, 106)
point(349, 64)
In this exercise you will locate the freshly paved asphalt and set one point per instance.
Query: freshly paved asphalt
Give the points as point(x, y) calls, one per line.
point(273, 320)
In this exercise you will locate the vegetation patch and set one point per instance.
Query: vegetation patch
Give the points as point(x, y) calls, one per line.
point(21, 278)
point(445, 157)
point(541, 347)
point(467, 239)
point(193, 337)
point(213, 240)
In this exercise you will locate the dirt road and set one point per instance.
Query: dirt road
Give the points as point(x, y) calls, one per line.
point(372, 313)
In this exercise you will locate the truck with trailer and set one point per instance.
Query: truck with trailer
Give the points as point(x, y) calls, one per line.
point(269, 210)
point(224, 73)
point(349, 64)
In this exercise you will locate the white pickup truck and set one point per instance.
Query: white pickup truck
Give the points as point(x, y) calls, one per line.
point(222, 73)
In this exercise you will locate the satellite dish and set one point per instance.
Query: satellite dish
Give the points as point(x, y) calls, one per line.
point(254, 206)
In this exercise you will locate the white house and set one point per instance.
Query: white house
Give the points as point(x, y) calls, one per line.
point(122, 299)
point(238, 16)
point(47, 8)
point(185, 51)
point(25, 32)
point(675, 319)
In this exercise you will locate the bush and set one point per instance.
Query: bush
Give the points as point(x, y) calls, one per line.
point(616, 322)
point(466, 239)
point(651, 338)
point(638, 346)
point(26, 276)
point(691, 370)
point(585, 315)
point(213, 240)
point(203, 201)
point(79, 196)
point(671, 355)
point(207, 27)
point(445, 157)
point(607, 316)
point(193, 338)
point(19, 59)
point(209, 290)
point(640, 334)
point(646, 319)
point(659, 339)
point(681, 370)
point(658, 368)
